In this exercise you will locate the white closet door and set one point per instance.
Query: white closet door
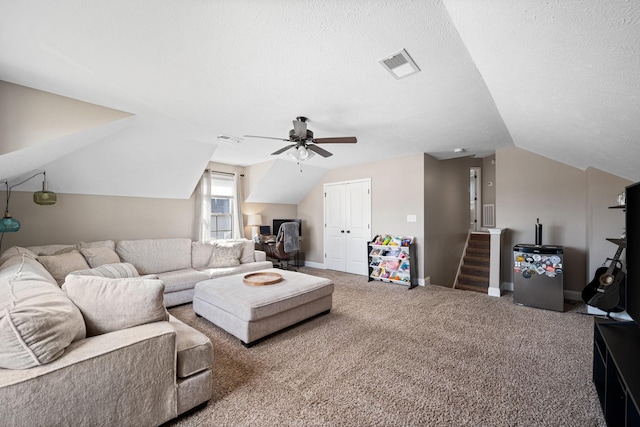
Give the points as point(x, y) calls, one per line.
point(358, 229)
point(347, 212)
point(334, 217)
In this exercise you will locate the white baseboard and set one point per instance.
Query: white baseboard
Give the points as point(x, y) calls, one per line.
point(494, 292)
point(314, 265)
point(424, 281)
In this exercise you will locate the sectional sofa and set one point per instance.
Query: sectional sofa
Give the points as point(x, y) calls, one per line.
point(85, 337)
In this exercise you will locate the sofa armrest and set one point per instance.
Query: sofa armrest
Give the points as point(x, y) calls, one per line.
point(260, 255)
point(126, 377)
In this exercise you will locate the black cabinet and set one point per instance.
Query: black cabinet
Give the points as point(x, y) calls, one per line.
point(616, 370)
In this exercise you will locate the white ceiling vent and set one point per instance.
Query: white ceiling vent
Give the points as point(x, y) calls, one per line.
point(229, 139)
point(400, 64)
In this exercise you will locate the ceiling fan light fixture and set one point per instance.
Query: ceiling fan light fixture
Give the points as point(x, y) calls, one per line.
point(303, 154)
point(300, 154)
point(400, 64)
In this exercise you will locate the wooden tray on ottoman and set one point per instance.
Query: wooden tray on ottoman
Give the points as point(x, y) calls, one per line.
point(262, 278)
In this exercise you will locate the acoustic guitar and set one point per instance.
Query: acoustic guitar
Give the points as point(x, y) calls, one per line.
point(604, 290)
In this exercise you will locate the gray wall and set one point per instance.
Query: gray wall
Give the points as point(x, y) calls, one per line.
point(571, 204)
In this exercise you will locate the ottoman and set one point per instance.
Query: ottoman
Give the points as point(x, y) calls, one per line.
point(253, 312)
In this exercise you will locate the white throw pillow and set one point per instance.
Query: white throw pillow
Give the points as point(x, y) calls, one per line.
point(99, 256)
point(200, 254)
point(61, 265)
point(225, 253)
point(112, 304)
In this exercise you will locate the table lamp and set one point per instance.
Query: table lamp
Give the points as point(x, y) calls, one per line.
point(255, 221)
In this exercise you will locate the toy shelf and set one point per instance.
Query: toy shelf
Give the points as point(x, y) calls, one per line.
point(392, 262)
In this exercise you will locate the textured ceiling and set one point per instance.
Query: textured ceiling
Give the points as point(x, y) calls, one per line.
point(555, 78)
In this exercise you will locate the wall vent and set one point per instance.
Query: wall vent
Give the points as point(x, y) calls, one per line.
point(489, 215)
point(399, 64)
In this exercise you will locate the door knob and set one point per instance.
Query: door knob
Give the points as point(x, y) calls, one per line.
point(342, 231)
point(348, 231)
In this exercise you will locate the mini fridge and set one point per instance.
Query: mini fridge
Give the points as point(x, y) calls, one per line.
point(538, 276)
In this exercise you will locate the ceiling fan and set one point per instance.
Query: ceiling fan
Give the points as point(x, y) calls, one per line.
point(304, 143)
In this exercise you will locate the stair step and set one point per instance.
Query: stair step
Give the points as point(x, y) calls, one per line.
point(473, 280)
point(475, 251)
point(475, 270)
point(481, 289)
point(476, 261)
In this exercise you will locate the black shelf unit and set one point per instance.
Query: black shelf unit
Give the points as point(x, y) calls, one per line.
point(616, 376)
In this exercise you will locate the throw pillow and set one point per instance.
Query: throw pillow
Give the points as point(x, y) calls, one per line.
point(61, 265)
point(118, 270)
point(225, 254)
point(37, 320)
point(99, 256)
point(109, 305)
point(248, 251)
point(200, 254)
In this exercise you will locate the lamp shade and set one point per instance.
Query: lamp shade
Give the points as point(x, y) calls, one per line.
point(8, 224)
point(45, 197)
point(254, 220)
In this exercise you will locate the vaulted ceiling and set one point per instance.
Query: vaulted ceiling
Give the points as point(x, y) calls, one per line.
point(555, 78)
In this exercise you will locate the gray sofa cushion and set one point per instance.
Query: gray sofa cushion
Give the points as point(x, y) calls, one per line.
point(112, 304)
point(151, 256)
point(37, 320)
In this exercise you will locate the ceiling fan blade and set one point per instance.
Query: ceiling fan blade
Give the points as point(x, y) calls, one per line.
point(321, 151)
point(300, 128)
point(264, 137)
point(283, 149)
point(337, 140)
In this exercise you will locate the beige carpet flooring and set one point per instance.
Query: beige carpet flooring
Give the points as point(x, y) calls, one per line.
point(388, 356)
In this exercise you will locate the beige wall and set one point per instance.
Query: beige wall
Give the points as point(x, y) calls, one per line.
point(437, 192)
point(76, 218)
point(396, 191)
point(269, 211)
point(571, 204)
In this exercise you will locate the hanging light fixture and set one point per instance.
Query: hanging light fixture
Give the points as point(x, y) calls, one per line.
point(8, 224)
point(44, 197)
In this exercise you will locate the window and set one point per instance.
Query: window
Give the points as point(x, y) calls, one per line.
point(221, 207)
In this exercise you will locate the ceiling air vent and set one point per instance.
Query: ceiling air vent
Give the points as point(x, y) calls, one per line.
point(400, 64)
point(228, 139)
